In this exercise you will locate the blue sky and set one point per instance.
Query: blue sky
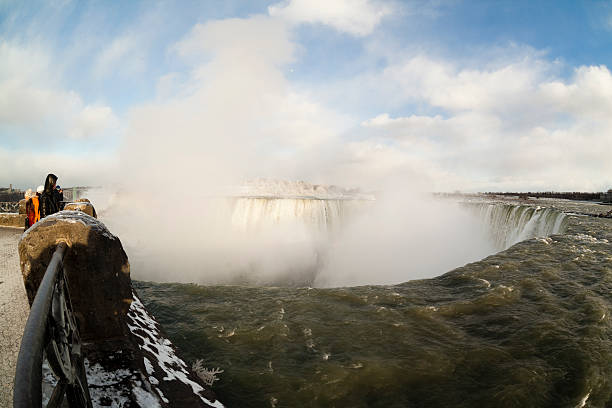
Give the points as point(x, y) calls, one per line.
point(354, 92)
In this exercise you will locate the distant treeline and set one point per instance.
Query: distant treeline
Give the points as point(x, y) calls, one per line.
point(569, 195)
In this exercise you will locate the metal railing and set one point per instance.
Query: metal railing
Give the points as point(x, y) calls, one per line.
point(9, 207)
point(52, 328)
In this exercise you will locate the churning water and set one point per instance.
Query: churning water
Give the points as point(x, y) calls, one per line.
point(525, 327)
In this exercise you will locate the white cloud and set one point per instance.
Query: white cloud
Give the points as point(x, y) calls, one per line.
point(589, 95)
point(510, 125)
point(514, 127)
point(127, 53)
point(124, 54)
point(509, 122)
point(92, 120)
point(27, 169)
point(443, 85)
point(32, 101)
point(356, 17)
point(254, 40)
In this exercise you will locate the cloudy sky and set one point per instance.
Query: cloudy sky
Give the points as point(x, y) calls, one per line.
point(448, 95)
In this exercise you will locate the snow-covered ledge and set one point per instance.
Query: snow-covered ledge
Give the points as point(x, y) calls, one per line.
point(129, 361)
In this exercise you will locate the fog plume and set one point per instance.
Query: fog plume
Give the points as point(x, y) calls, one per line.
point(236, 118)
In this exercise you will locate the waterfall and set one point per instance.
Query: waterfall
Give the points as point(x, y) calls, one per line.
point(296, 234)
point(509, 224)
point(318, 216)
point(292, 206)
point(505, 224)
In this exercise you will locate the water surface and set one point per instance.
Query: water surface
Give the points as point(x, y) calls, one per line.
point(526, 327)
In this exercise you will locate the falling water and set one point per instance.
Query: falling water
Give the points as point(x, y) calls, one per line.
point(509, 224)
point(319, 215)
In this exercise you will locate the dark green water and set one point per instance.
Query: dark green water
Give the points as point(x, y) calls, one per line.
point(527, 327)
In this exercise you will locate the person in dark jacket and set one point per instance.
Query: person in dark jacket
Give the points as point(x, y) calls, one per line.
point(59, 197)
point(48, 199)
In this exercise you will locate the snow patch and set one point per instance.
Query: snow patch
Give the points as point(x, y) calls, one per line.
point(96, 375)
point(145, 398)
point(148, 366)
point(154, 343)
point(74, 217)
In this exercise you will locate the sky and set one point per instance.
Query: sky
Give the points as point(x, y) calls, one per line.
point(438, 95)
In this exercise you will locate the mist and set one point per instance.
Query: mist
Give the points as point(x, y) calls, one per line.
point(405, 236)
point(396, 238)
point(237, 118)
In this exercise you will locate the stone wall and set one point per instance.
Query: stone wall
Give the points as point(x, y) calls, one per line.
point(12, 220)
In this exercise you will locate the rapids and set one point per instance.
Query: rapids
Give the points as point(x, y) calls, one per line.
point(528, 326)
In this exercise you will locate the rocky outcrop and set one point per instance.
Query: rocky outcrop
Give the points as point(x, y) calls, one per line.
point(96, 266)
point(83, 206)
point(129, 360)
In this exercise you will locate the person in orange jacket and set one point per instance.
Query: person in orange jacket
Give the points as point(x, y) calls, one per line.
point(36, 203)
point(31, 208)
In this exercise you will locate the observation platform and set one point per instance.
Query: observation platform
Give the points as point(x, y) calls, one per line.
point(14, 310)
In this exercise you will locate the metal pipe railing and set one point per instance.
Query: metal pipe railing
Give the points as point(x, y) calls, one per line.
point(51, 327)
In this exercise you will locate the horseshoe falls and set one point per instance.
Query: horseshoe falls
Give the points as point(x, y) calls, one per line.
point(315, 214)
point(491, 303)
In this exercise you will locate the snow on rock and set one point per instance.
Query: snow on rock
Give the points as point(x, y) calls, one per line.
point(165, 369)
point(109, 388)
point(145, 398)
point(74, 217)
point(141, 369)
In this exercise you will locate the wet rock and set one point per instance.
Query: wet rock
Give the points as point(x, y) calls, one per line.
point(96, 267)
point(83, 206)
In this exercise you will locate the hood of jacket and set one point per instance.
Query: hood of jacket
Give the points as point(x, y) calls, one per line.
point(51, 178)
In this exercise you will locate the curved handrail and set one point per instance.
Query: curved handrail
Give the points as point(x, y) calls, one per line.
point(51, 326)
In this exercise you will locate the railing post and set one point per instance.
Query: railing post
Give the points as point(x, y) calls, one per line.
point(51, 326)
